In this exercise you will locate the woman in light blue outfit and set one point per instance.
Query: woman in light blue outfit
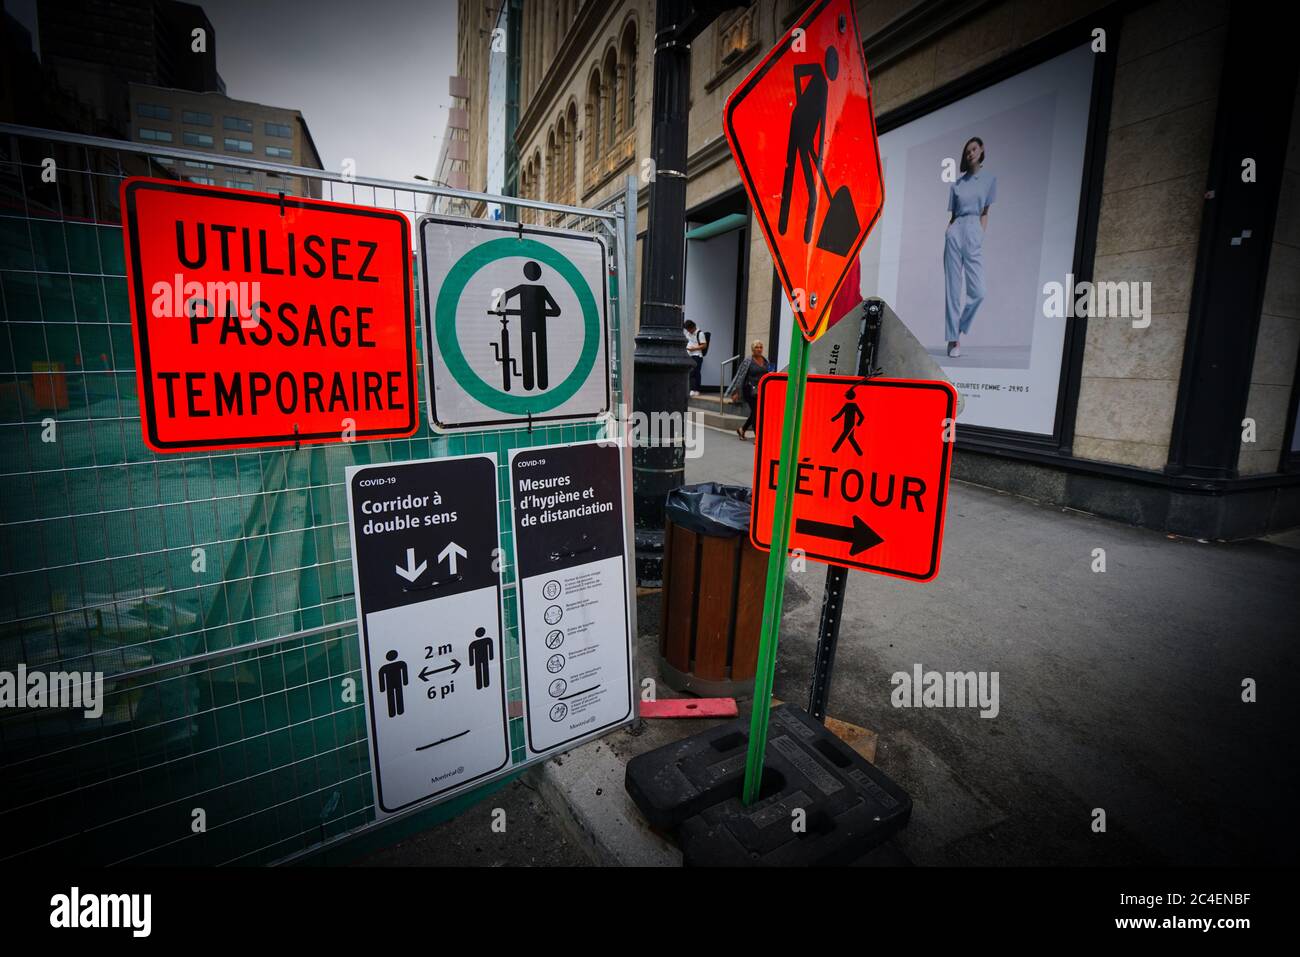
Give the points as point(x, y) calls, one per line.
point(969, 200)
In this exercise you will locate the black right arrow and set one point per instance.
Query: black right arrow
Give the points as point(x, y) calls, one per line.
point(859, 535)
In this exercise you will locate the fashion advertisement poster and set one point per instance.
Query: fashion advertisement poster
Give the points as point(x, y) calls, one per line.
point(981, 211)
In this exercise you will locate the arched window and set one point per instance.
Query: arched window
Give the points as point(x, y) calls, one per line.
point(549, 185)
point(561, 161)
point(525, 188)
point(592, 151)
point(535, 183)
point(611, 99)
point(627, 59)
point(571, 151)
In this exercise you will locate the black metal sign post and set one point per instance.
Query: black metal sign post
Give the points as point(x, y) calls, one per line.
point(828, 631)
point(661, 360)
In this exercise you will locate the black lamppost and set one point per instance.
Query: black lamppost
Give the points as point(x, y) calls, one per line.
point(661, 363)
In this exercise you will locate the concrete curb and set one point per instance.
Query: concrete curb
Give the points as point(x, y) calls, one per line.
point(585, 788)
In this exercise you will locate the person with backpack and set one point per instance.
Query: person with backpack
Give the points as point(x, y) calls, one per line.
point(697, 344)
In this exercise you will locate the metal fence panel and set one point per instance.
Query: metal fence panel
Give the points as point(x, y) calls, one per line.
point(213, 590)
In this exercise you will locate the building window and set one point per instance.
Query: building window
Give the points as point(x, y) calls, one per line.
point(197, 139)
point(238, 146)
point(552, 164)
point(238, 124)
point(628, 57)
point(593, 120)
point(238, 184)
point(279, 152)
point(154, 111)
point(561, 190)
point(735, 40)
point(198, 119)
point(611, 99)
point(202, 180)
point(279, 129)
point(193, 165)
point(571, 154)
point(155, 136)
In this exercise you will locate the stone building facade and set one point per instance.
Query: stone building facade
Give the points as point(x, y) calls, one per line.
point(1187, 423)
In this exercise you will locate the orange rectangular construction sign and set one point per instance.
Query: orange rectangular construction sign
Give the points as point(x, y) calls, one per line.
point(267, 320)
point(871, 481)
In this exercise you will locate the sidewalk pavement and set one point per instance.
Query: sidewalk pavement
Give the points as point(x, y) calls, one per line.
point(1118, 690)
point(533, 836)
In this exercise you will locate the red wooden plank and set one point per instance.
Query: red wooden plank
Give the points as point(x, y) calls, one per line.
point(689, 708)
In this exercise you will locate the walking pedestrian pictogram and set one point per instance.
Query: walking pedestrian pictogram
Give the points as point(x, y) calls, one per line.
point(852, 416)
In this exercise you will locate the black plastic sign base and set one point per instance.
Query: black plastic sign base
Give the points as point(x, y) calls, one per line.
point(693, 788)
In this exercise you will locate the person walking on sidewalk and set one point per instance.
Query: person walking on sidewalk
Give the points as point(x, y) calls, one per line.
point(695, 348)
point(745, 382)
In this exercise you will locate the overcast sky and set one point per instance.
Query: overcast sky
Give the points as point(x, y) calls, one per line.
point(370, 76)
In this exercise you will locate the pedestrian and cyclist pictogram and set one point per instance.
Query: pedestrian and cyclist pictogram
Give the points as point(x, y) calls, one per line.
point(516, 324)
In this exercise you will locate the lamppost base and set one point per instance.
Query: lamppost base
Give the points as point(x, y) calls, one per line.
point(649, 558)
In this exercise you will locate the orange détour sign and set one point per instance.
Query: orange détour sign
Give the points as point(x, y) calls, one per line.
point(871, 476)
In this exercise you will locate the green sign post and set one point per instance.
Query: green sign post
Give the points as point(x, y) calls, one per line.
point(774, 593)
point(814, 78)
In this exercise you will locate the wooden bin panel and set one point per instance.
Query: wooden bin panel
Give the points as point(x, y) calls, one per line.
point(749, 610)
point(713, 610)
point(678, 623)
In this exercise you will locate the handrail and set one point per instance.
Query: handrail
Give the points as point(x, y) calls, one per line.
point(722, 381)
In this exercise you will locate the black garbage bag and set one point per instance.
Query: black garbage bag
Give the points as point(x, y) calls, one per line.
point(710, 508)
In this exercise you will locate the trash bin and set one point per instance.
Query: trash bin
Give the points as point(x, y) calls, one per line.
point(713, 592)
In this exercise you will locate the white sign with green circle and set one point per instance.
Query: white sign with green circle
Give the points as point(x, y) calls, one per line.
point(515, 324)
